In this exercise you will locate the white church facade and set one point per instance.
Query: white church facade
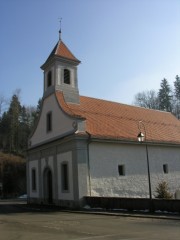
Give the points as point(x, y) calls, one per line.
point(84, 146)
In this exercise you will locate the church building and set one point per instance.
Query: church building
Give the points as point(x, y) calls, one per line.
point(83, 146)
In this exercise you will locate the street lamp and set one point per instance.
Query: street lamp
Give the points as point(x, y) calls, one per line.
point(142, 138)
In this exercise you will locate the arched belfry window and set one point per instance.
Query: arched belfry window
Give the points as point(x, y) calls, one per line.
point(67, 76)
point(49, 79)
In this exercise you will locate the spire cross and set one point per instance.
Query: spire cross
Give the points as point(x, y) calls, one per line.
point(60, 19)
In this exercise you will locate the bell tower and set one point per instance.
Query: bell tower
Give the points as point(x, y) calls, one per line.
point(60, 73)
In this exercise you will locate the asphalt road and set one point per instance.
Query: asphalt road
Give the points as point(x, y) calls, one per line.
point(18, 222)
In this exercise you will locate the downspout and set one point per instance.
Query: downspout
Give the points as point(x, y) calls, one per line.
point(88, 162)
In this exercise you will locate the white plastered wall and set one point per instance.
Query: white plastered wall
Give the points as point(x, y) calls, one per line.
point(67, 158)
point(47, 163)
point(105, 179)
point(61, 123)
point(34, 165)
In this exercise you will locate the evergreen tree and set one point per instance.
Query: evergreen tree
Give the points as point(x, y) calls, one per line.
point(5, 131)
point(3, 104)
point(165, 96)
point(176, 99)
point(24, 130)
point(14, 114)
point(35, 114)
point(177, 88)
point(16, 125)
point(166, 99)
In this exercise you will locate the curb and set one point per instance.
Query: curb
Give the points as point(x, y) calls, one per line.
point(103, 213)
point(121, 214)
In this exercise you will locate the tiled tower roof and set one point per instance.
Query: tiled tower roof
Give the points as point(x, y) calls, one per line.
point(62, 51)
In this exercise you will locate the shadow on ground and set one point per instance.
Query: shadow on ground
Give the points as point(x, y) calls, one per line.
point(21, 206)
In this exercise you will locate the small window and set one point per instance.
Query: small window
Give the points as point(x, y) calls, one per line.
point(67, 76)
point(121, 170)
point(33, 179)
point(49, 121)
point(65, 178)
point(49, 79)
point(165, 168)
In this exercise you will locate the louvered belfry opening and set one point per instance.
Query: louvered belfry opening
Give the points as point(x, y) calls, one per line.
point(67, 76)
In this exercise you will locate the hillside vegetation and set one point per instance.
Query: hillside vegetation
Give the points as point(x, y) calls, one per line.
point(12, 175)
point(16, 124)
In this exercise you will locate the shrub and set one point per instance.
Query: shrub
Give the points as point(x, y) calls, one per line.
point(162, 191)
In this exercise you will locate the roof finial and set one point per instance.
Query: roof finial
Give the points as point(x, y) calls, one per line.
point(60, 19)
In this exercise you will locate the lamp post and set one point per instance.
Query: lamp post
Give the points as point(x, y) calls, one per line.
point(142, 138)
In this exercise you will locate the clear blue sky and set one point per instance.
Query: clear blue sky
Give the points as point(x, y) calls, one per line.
point(125, 46)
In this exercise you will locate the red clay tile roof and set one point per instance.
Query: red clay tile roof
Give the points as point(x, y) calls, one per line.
point(61, 50)
point(106, 119)
point(60, 97)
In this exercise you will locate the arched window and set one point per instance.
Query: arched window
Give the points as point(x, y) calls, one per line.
point(67, 76)
point(49, 79)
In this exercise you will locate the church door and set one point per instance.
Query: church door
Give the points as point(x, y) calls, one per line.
point(48, 188)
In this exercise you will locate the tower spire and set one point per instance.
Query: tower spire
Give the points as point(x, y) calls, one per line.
point(60, 19)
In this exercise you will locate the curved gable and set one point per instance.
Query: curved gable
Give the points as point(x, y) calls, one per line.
point(53, 122)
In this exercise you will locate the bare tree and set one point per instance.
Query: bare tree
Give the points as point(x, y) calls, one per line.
point(147, 99)
point(3, 104)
